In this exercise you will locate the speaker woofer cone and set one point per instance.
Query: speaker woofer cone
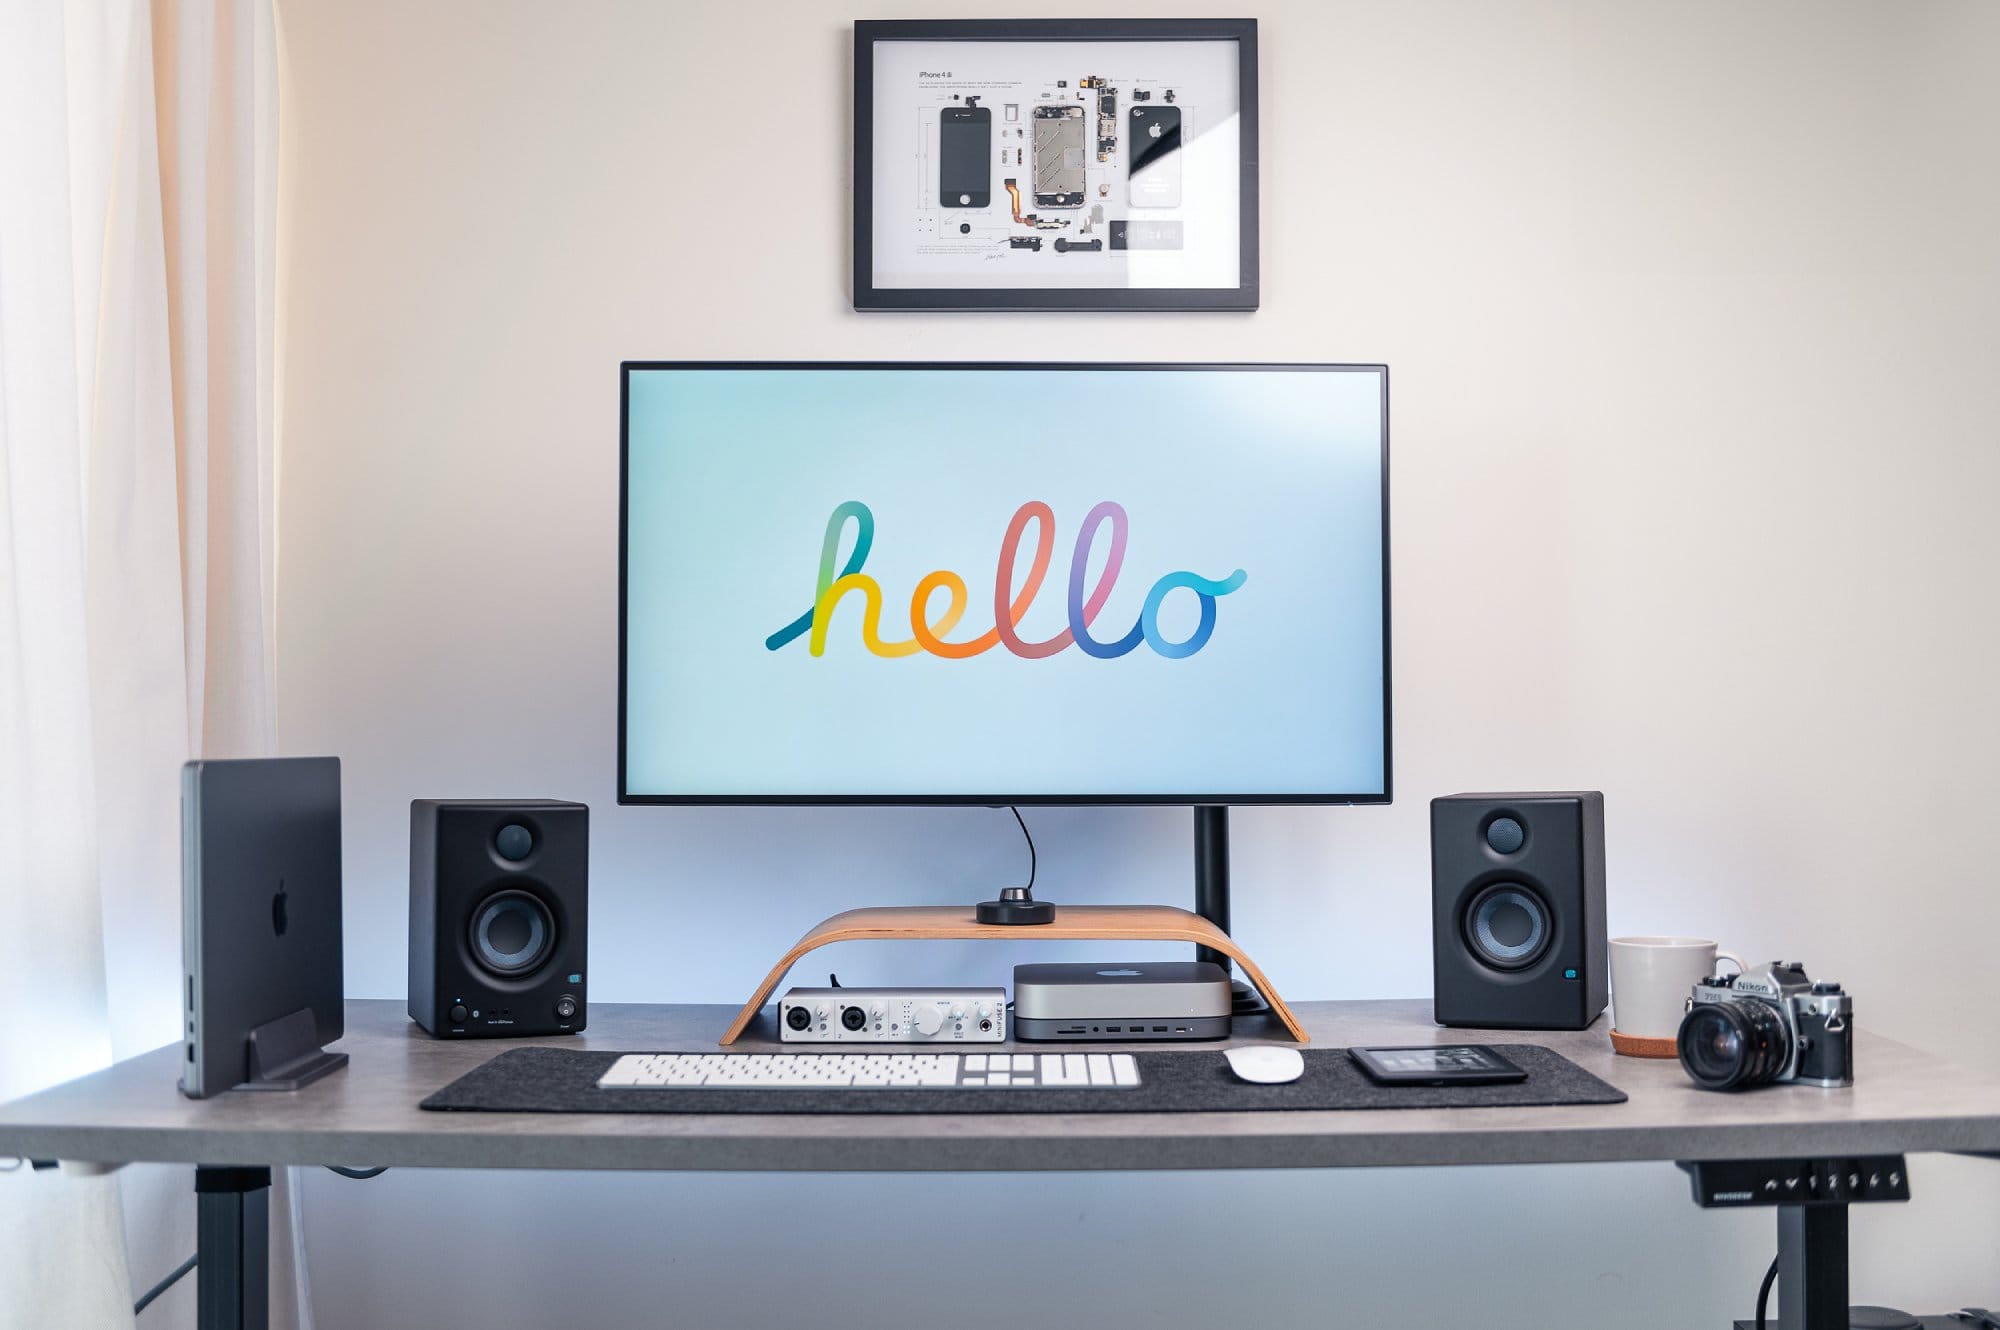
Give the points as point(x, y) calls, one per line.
point(513, 933)
point(1508, 926)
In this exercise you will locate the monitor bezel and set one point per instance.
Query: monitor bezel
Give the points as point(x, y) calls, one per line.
point(626, 798)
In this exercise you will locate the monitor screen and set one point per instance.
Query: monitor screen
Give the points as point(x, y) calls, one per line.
point(1002, 583)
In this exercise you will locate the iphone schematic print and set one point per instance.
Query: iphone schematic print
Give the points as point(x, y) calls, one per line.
point(1055, 164)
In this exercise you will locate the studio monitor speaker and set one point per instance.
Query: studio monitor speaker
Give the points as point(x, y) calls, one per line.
point(1517, 903)
point(498, 916)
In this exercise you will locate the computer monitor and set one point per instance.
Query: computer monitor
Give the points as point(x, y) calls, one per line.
point(966, 583)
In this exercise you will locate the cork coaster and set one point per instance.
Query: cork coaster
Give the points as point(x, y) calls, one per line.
point(1635, 1046)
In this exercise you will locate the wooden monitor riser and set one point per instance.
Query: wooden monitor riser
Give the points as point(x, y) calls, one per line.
point(1090, 923)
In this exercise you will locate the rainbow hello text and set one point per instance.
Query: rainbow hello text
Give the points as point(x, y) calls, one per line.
point(928, 635)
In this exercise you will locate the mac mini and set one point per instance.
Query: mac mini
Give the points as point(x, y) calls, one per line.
point(1144, 1000)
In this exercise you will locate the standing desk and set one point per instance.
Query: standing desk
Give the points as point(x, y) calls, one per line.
point(1904, 1101)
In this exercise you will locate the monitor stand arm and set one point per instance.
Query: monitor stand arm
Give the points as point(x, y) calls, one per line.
point(1211, 896)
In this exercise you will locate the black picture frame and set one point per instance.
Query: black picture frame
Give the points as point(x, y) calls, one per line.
point(1045, 798)
point(868, 32)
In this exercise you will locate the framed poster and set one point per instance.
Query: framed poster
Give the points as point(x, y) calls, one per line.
point(1055, 164)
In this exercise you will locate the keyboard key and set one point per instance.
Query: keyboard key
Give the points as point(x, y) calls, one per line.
point(1125, 1069)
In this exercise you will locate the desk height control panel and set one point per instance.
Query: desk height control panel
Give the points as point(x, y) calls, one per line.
point(1730, 1183)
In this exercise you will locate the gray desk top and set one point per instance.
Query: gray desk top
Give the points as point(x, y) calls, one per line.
point(367, 1114)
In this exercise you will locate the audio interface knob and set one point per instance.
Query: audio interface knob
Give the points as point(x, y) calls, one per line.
point(958, 1013)
point(930, 1019)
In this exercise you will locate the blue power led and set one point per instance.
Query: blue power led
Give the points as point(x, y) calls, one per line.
point(577, 978)
point(1569, 974)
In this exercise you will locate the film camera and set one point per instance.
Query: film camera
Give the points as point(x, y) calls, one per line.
point(1768, 1024)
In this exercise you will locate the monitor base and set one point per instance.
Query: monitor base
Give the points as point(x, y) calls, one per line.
point(1245, 1000)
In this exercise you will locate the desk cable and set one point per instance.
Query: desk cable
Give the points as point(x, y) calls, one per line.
point(1764, 1291)
point(156, 1290)
point(146, 1299)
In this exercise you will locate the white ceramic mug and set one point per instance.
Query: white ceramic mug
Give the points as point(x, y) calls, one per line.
point(1651, 978)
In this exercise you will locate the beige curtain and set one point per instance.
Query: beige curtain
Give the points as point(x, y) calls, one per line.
point(137, 552)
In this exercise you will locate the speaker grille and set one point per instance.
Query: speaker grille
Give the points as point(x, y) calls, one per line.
point(1508, 926)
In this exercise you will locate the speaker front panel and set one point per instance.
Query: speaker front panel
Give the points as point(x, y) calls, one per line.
point(1517, 903)
point(498, 916)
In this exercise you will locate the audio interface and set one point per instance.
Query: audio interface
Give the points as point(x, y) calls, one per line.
point(893, 1016)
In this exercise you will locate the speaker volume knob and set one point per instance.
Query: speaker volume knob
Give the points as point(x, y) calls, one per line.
point(565, 1007)
point(458, 1013)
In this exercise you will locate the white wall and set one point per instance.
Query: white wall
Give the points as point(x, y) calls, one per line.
point(1690, 309)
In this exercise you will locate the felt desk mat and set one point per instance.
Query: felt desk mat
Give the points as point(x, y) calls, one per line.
point(564, 1080)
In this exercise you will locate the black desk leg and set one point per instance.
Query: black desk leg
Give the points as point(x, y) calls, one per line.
point(1812, 1267)
point(233, 1241)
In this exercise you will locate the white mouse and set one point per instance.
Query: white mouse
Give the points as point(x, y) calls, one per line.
point(1266, 1064)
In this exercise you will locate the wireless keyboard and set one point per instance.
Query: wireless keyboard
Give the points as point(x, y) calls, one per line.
point(870, 1071)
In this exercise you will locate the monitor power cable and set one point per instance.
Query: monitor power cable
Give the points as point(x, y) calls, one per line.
point(1031, 843)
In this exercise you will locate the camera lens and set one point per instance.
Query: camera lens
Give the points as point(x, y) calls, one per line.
point(1731, 1045)
point(798, 1018)
point(853, 1017)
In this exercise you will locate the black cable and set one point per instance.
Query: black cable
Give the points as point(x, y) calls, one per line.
point(1031, 844)
point(1764, 1291)
point(165, 1284)
point(358, 1174)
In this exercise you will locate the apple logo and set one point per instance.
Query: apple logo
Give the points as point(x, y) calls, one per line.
point(1120, 974)
point(278, 910)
